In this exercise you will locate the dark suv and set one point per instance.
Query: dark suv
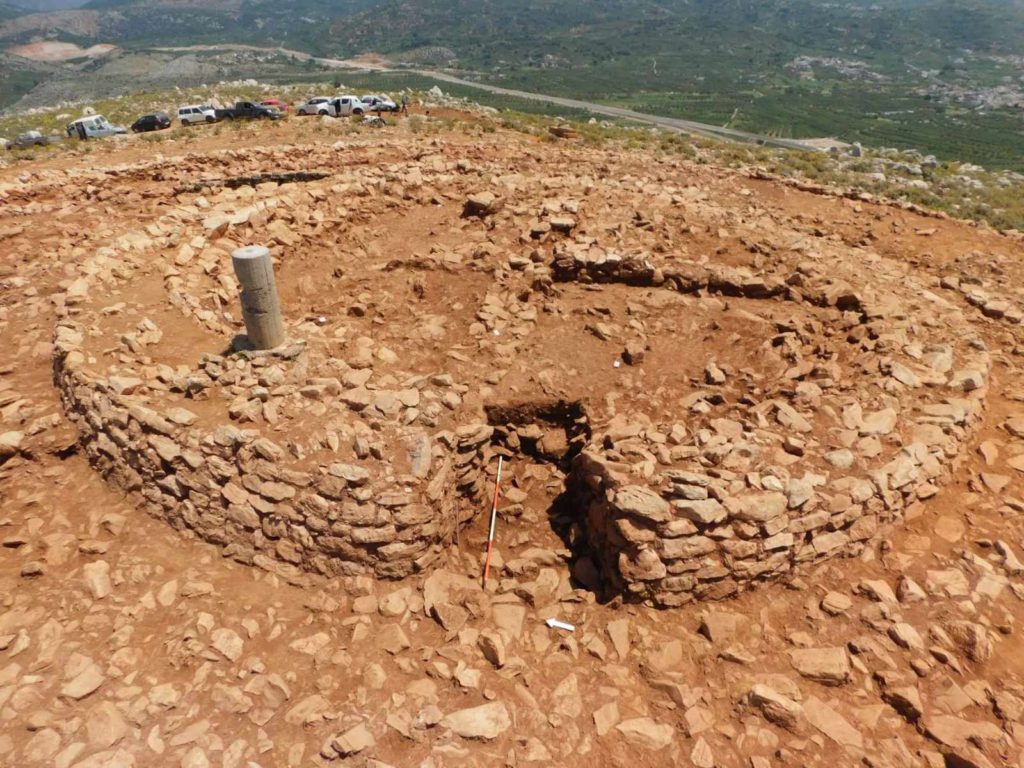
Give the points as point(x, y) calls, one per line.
point(155, 122)
point(247, 110)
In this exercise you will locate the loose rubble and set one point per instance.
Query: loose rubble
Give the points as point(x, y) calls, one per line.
point(761, 455)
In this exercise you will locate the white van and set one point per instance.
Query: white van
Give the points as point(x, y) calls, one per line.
point(343, 106)
point(93, 127)
point(197, 113)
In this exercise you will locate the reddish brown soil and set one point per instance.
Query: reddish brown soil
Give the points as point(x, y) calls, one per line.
point(56, 518)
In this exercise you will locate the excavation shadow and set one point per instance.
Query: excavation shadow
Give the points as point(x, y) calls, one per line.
point(554, 432)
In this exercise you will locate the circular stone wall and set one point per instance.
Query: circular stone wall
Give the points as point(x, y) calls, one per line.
point(767, 402)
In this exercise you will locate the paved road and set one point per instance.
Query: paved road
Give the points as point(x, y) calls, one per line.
point(684, 126)
point(691, 127)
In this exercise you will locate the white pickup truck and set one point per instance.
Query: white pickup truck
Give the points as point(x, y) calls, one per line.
point(343, 106)
point(93, 127)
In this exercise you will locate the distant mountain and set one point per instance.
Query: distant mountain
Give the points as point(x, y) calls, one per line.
point(298, 24)
point(487, 32)
point(33, 6)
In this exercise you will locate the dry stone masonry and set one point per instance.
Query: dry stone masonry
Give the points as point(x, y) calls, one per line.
point(702, 381)
point(709, 520)
point(754, 398)
point(235, 487)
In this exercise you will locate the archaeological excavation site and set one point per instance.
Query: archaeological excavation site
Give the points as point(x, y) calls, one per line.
point(762, 447)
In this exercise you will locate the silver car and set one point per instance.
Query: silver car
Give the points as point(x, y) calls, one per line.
point(318, 105)
point(376, 103)
point(32, 139)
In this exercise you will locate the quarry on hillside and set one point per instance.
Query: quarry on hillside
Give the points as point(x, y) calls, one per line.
point(762, 448)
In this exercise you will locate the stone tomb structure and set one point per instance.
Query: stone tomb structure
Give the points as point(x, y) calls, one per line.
point(842, 398)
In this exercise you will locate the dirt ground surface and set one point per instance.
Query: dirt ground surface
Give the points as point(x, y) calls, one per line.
point(534, 300)
point(55, 51)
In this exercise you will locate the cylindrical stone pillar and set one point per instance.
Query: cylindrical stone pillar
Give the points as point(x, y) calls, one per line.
point(260, 307)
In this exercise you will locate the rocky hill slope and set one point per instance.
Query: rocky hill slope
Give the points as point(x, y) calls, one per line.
point(762, 450)
point(943, 77)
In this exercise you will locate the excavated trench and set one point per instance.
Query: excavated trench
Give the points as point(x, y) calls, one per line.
point(553, 433)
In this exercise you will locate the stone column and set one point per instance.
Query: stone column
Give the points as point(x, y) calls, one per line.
point(260, 307)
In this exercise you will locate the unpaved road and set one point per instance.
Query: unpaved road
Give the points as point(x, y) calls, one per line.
point(691, 127)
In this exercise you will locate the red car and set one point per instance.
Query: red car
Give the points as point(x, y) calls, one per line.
point(281, 106)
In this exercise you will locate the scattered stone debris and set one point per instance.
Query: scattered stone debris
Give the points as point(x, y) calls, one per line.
point(779, 405)
point(234, 182)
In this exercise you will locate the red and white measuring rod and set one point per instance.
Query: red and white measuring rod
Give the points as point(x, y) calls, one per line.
point(494, 521)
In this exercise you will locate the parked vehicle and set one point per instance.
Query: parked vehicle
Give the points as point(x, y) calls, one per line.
point(376, 103)
point(155, 122)
point(197, 113)
point(318, 105)
point(248, 110)
point(32, 139)
point(280, 106)
point(343, 106)
point(93, 127)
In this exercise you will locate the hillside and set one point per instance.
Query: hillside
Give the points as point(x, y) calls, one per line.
point(755, 447)
point(938, 75)
point(48, 5)
point(492, 30)
point(595, 30)
point(133, 23)
point(944, 76)
point(517, 31)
